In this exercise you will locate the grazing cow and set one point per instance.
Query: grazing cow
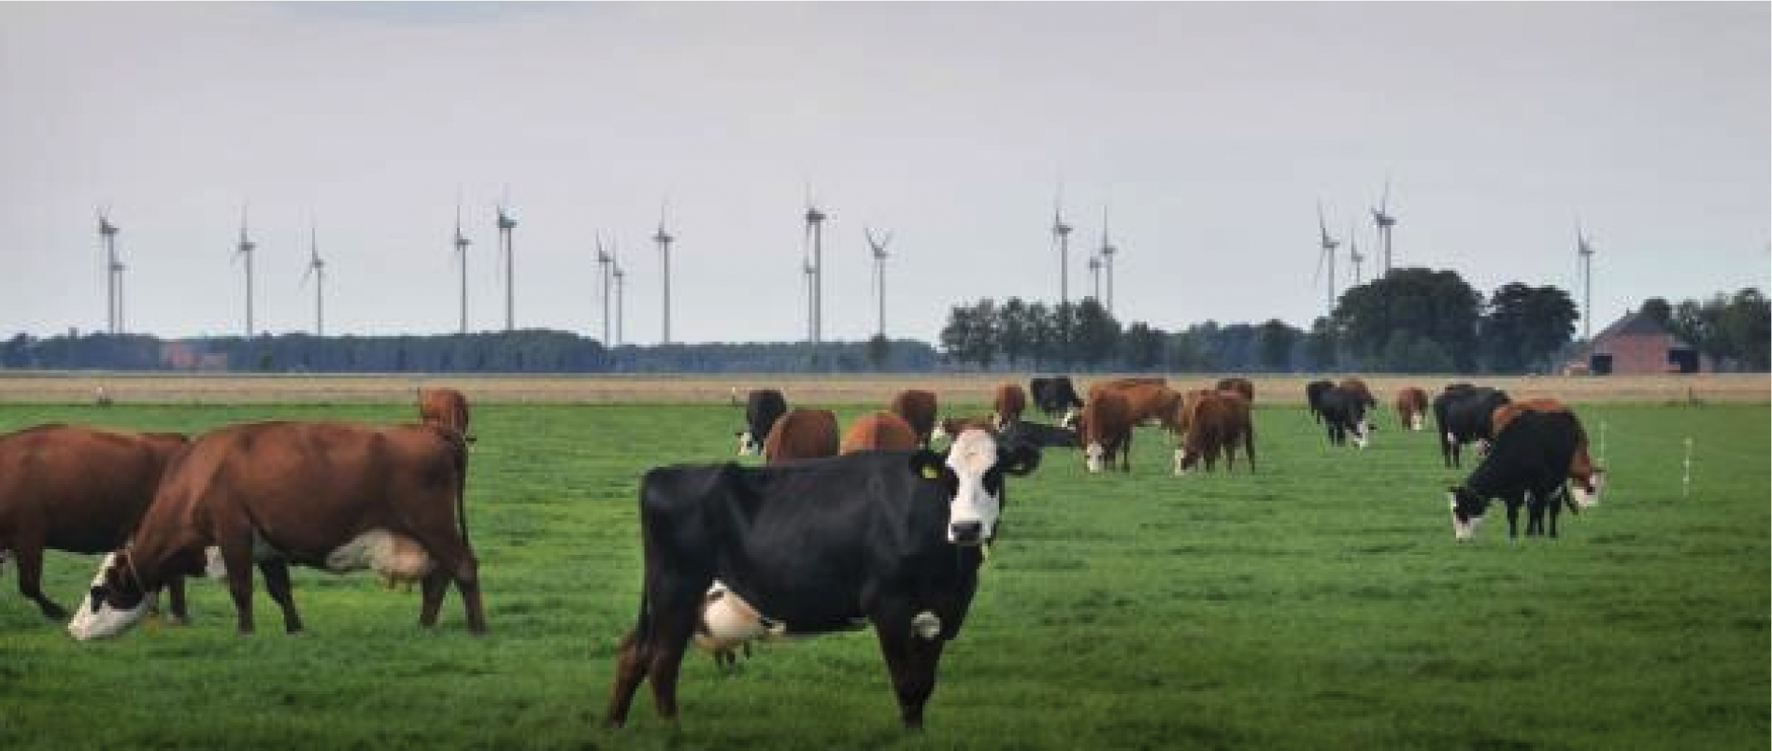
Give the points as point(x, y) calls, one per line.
point(1216, 422)
point(1240, 385)
point(762, 408)
point(890, 538)
point(948, 427)
point(1055, 395)
point(79, 490)
point(1038, 435)
point(446, 407)
point(1148, 399)
point(1585, 479)
point(331, 495)
point(1358, 388)
point(1411, 407)
point(1528, 464)
point(1462, 414)
point(918, 408)
point(1313, 397)
point(801, 434)
point(1009, 402)
point(1344, 412)
point(1106, 430)
point(880, 430)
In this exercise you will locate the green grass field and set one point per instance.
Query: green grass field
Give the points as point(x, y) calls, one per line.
point(1320, 603)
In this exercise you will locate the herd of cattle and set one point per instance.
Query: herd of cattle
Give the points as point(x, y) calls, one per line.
point(835, 530)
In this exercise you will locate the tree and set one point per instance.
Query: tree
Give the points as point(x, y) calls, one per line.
point(1320, 345)
point(1525, 327)
point(1042, 334)
point(1096, 336)
point(1277, 339)
point(971, 333)
point(1658, 309)
point(879, 350)
point(1014, 336)
point(1420, 303)
point(1141, 347)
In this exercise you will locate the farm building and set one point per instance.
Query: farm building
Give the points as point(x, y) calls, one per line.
point(1632, 345)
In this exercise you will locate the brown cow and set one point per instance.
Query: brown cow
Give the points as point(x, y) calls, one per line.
point(1008, 402)
point(801, 434)
point(880, 430)
point(446, 407)
point(1240, 385)
point(79, 490)
point(1411, 407)
point(331, 495)
point(918, 409)
point(1358, 387)
point(1215, 423)
point(1147, 399)
point(1106, 429)
point(948, 427)
point(1586, 480)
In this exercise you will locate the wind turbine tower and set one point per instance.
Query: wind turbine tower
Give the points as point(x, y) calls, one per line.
point(461, 252)
point(604, 261)
point(1108, 251)
point(664, 240)
point(1327, 246)
point(878, 247)
point(618, 274)
point(1585, 249)
point(1385, 220)
point(1353, 253)
point(1061, 234)
point(245, 248)
point(316, 269)
point(506, 223)
point(107, 233)
point(117, 270)
point(815, 236)
point(1095, 277)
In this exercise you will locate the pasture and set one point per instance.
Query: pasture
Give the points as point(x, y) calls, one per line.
point(1320, 602)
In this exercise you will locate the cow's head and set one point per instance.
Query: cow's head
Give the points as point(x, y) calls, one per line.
point(1588, 494)
point(1467, 511)
point(747, 445)
point(114, 603)
point(1094, 456)
point(1416, 421)
point(971, 473)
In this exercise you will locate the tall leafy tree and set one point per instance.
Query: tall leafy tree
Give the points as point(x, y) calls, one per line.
point(1096, 334)
point(1141, 347)
point(1321, 344)
point(1525, 327)
point(1277, 340)
point(1659, 310)
point(1014, 338)
point(1418, 303)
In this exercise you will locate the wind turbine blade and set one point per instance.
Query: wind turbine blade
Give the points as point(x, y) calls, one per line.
point(1317, 275)
point(1385, 201)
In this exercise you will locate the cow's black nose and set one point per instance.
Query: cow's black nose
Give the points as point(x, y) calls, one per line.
point(966, 531)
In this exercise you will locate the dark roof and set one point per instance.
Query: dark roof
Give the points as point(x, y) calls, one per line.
point(1633, 323)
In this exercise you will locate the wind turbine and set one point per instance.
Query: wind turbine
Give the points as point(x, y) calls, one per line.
point(506, 223)
point(1061, 234)
point(1385, 221)
point(1353, 252)
point(316, 269)
point(1108, 251)
point(1584, 248)
point(1095, 277)
point(245, 248)
point(664, 240)
point(604, 260)
point(461, 252)
point(117, 270)
point(1327, 245)
point(107, 233)
point(618, 274)
point(815, 239)
point(879, 252)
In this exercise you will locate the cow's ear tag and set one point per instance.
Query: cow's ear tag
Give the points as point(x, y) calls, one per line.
point(930, 472)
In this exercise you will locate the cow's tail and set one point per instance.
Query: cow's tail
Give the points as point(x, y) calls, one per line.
point(1249, 445)
point(459, 447)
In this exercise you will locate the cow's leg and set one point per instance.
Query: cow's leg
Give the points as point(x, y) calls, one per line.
point(455, 560)
point(1513, 518)
point(674, 615)
point(276, 573)
point(911, 661)
point(175, 588)
point(30, 576)
point(238, 560)
point(631, 659)
point(434, 586)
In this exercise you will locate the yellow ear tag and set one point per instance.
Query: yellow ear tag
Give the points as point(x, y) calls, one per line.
point(930, 472)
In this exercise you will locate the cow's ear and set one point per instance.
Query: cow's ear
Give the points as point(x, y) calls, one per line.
point(1019, 460)
point(928, 464)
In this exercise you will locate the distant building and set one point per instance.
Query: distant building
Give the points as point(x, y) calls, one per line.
point(1634, 345)
point(190, 356)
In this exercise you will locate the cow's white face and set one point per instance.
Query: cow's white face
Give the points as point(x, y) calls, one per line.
point(1092, 456)
point(1180, 462)
point(1585, 499)
point(1069, 421)
point(1467, 514)
point(1415, 422)
point(97, 617)
point(747, 446)
point(1362, 434)
point(973, 511)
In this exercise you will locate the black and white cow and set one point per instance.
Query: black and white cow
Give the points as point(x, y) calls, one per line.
point(1313, 395)
point(1055, 395)
point(1527, 463)
point(761, 408)
point(1462, 412)
point(1343, 412)
point(891, 538)
point(1037, 434)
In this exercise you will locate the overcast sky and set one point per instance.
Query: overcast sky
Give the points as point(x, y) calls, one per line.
point(1210, 130)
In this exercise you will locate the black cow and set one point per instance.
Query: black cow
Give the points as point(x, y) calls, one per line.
point(1313, 395)
point(1054, 395)
point(1343, 411)
point(1528, 463)
point(895, 538)
point(1462, 413)
point(1036, 434)
point(761, 408)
